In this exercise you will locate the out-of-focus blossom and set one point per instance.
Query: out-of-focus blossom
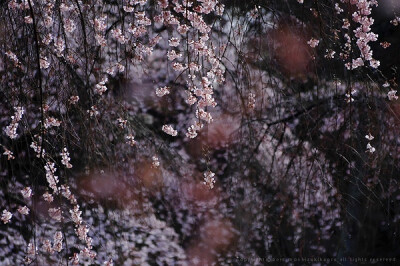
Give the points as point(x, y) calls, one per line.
point(122, 122)
point(48, 197)
point(26, 192)
point(155, 162)
point(93, 111)
point(130, 139)
point(23, 210)
point(8, 153)
point(392, 95)
point(58, 241)
point(55, 213)
point(73, 99)
point(28, 20)
point(162, 91)
point(14, 58)
point(47, 246)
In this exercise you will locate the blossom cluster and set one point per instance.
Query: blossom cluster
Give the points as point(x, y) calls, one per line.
point(130, 139)
point(13, 57)
point(199, 84)
point(209, 180)
point(65, 158)
point(26, 192)
point(52, 179)
point(363, 32)
point(313, 43)
point(169, 130)
point(155, 162)
point(11, 130)
point(6, 216)
point(370, 148)
point(8, 153)
point(162, 91)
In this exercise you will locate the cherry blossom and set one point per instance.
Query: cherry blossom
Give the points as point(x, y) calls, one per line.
point(209, 180)
point(313, 43)
point(162, 91)
point(23, 210)
point(169, 130)
point(6, 216)
point(26, 192)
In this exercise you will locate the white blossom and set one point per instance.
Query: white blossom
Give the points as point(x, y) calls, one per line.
point(82, 231)
point(51, 122)
point(203, 115)
point(52, 179)
point(65, 158)
point(313, 43)
point(6, 216)
point(251, 101)
point(155, 162)
point(11, 130)
point(172, 55)
point(8, 153)
point(100, 87)
point(66, 192)
point(58, 241)
point(118, 35)
point(73, 99)
point(192, 130)
point(369, 137)
point(370, 148)
point(130, 140)
point(44, 64)
point(392, 95)
point(209, 179)
point(169, 130)
point(93, 111)
point(174, 42)
point(48, 197)
point(76, 215)
point(108, 263)
point(23, 210)
point(47, 246)
point(26, 192)
point(162, 91)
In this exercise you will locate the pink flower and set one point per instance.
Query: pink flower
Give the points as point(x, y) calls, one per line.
point(169, 130)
